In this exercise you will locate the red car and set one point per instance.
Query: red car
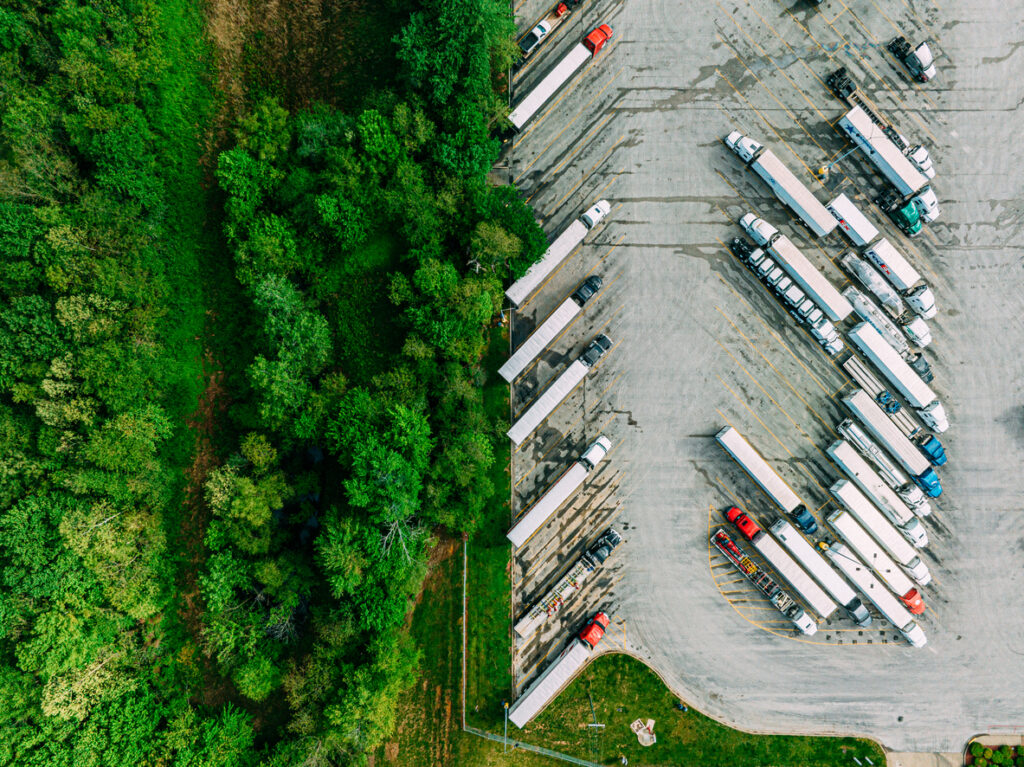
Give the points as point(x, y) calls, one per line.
point(746, 525)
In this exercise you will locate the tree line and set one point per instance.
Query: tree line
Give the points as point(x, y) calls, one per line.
point(370, 251)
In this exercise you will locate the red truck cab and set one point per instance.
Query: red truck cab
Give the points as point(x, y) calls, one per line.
point(912, 599)
point(746, 525)
point(594, 630)
point(596, 39)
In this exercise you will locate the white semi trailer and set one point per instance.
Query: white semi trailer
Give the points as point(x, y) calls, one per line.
point(892, 474)
point(559, 75)
point(905, 278)
point(780, 179)
point(548, 330)
point(867, 548)
point(869, 277)
point(899, 337)
point(896, 442)
point(803, 272)
point(821, 571)
point(774, 486)
point(559, 390)
point(562, 490)
point(879, 595)
point(880, 494)
point(556, 676)
point(854, 224)
point(890, 364)
point(556, 253)
point(857, 503)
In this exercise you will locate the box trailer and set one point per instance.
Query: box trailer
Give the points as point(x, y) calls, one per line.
point(904, 277)
point(878, 492)
point(803, 272)
point(559, 75)
point(559, 673)
point(556, 253)
point(549, 330)
point(821, 571)
point(879, 595)
point(736, 445)
point(780, 179)
point(887, 469)
point(891, 365)
point(854, 224)
point(562, 490)
point(858, 539)
point(552, 397)
point(854, 501)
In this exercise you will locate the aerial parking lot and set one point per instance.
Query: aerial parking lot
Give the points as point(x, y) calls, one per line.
point(700, 343)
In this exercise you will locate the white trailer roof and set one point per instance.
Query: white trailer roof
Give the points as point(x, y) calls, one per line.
point(852, 222)
point(539, 339)
point(787, 567)
point(547, 402)
point(868, 480)
point(557, 252)
point(886, 432)
point(549, 684)
point(882, 152)
point(868, 549)
point(868, 311)
point(564, 487)
point(793, 193)
point(758, 469)
point(880, 527)
point(893, 264)
point(870, 586)
point(813, 562)
point(547, 87)
point(814, 283)
point(892, 366)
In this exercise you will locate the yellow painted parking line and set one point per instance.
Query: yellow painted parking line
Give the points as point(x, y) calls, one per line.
point(768, 56)
point(739, 194)
point(566, 260)
point(584, 176)
point(779, 338)
point(579, 144)
point(779, 373)
point(786, 43)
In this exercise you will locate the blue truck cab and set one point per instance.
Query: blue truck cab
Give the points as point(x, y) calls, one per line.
point(934, 451)
point(929, 482)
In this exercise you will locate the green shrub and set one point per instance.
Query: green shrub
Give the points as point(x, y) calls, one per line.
point(976, 749)
point(980, 762)
point(987, 753)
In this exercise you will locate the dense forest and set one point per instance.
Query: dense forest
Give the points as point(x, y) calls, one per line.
point(194, 578)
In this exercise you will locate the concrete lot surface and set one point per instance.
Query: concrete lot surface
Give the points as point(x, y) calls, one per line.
point(701, 344)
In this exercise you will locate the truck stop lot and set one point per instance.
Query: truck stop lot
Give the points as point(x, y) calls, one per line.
point(699, 344)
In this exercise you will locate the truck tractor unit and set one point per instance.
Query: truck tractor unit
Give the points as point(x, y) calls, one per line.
point(532, 40)
point(918, 60)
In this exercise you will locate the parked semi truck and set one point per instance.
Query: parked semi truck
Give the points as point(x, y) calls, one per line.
point(918, 59)
point(559, 390)
point(559, 76)
point(803, 272)
point(786, 186)
point(736, 445)
point(869, 277)
point(904, 277)
point(821, 571)
point(764, 583)
point(562, 490)
point(568, 585)
point(890, 364)
point(891, 474)
point(548, 330)
point(556, 253)
point(899, 337)
point(878, 492)
point(880, 597)
point(783, 564)
point(896, 442)
point(559, 673)
point(800, 307)
point(854, 501)
point(911, 201)
point(858, 539)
